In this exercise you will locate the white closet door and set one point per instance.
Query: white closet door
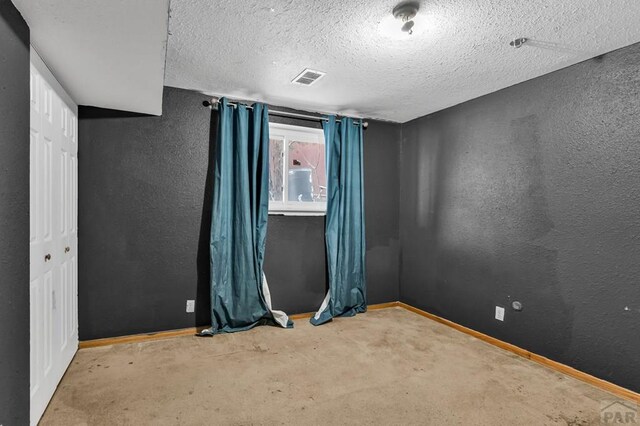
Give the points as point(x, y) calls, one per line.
point(53, 234)
point(67, 228)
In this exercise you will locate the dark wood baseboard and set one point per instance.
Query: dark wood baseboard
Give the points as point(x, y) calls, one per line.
point(369, 308)
point(142, 337)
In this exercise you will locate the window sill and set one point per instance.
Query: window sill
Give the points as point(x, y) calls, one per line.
point(296, 213)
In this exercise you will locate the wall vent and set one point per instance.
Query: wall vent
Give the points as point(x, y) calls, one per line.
point(308, 77)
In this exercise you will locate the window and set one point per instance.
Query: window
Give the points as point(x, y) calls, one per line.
point(297, 173)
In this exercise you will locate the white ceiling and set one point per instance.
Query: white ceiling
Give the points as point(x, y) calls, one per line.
point(107, 53)
point(251, 49)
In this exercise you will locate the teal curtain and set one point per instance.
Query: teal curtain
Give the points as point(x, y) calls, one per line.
point(239, 292)
point(344, 228)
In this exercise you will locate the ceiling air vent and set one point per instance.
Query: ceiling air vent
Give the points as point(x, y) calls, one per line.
point(308, 77)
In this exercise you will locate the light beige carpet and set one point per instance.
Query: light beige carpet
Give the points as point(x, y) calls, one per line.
point(384, 367)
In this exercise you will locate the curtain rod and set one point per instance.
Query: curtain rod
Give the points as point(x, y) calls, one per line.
point(216, 101)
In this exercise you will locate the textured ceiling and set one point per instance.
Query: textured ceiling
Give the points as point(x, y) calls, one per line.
point(107, 53)
point(251, 49)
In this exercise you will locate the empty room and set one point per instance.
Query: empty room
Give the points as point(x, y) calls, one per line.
point(387, 212)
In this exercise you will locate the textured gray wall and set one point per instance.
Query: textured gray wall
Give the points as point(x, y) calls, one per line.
point(381, 182)
point(532, 194)
point(145, 209)
point(14, 216)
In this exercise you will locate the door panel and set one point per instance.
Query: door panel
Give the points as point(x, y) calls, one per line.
point(46, 185)
point(47, 324)
point(33, 183)
point(63, 184)
point(53, 236)
point(74, 193)
point(64, 318)
point(74, 296)
point(36, 331)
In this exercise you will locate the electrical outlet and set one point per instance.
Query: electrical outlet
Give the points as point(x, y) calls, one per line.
point(191, 306)
point(499, 313)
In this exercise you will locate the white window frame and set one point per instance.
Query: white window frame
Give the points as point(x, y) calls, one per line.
point(287, 132)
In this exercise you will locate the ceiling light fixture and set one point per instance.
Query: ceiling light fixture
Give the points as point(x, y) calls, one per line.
point(518, 42)
point(405, 12)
